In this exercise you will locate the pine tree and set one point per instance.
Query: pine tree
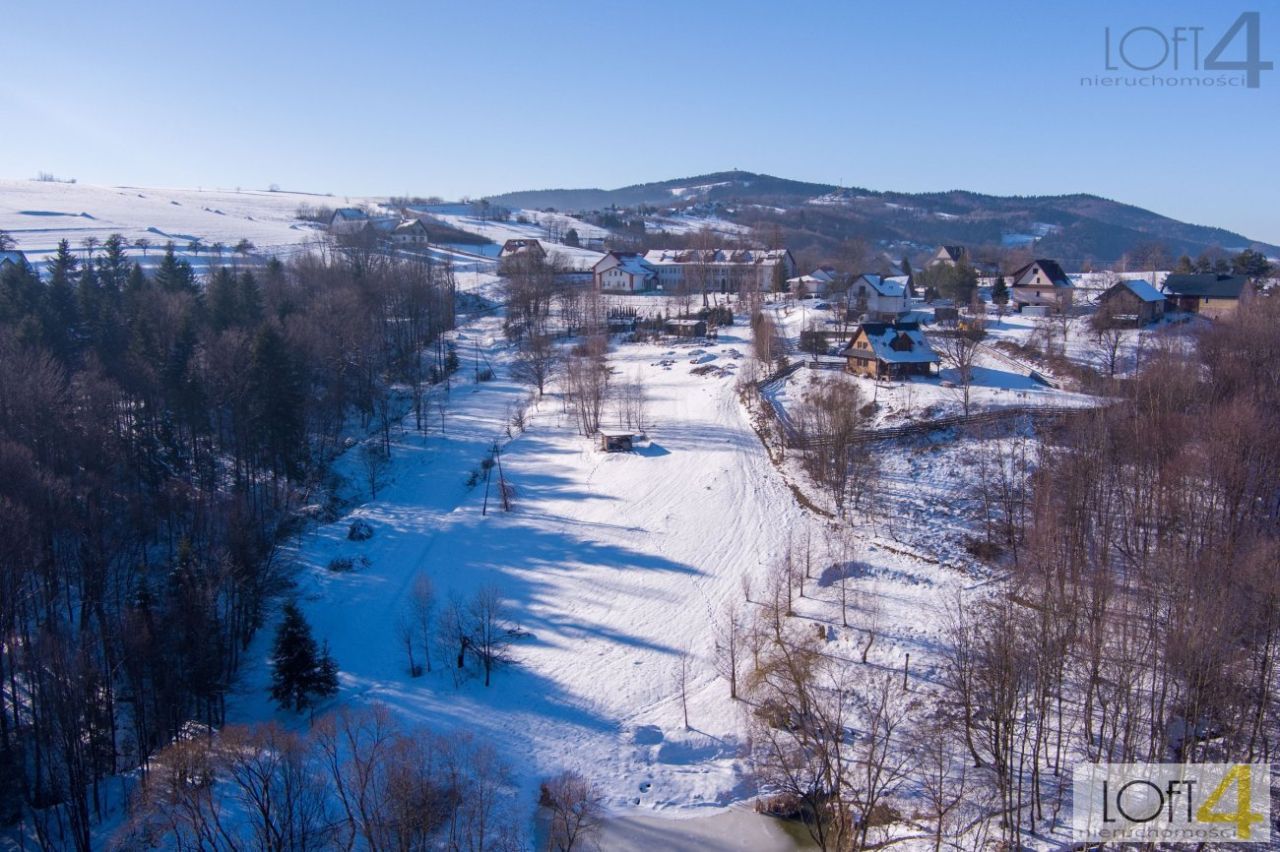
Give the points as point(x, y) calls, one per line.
point(173, 275)
point(301, 673)
point(223, 299)
point(276, 400)
point(250, 300)
point(62, 314)
point(1000, 292)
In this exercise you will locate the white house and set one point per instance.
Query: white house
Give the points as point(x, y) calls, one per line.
point(816, 283)
point(410, 232)
point(624, 272)
point(878, 296)
point(348, 220)
point(1041, 283)
point(721, 270)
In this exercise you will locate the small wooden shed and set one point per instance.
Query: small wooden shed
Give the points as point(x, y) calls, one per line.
point(686, 327)
point(615, 442)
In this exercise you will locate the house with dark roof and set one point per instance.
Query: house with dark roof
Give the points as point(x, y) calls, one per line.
point(12, 258)
point(949, 256)
point(882, 350)
point(1041, 283)
point(1212, 294)
point(1133, 302)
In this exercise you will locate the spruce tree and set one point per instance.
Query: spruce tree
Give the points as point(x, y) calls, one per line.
point(301, 673)
point(1000, 292)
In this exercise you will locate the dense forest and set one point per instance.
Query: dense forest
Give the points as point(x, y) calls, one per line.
point(160, 434)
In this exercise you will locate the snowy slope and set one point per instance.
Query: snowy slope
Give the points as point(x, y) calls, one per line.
point(38, 214)
point(615, 565)
point(500, 232)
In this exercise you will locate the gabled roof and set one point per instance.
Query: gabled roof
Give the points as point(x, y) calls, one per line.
point(1205, 285)
point(522, 246)
point(17, 258)
point(1140, 288)
point(734, 257)
point(410, 225)
point(349, 213)
point(888, 287)
point(953, 252)
point(895, 343)
point(1051, 270)
point(630, 262)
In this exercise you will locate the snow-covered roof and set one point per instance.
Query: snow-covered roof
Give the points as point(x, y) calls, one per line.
point(410, 225)
point(1143, 290)
point(735, 257)
point(895, 343)
point(636, 265)
point(888, 287)
point(349, 213)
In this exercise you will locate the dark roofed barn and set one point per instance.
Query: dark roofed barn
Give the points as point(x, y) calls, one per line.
point(1209, 293)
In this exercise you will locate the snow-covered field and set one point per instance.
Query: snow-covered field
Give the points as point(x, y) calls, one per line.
point(37, 214)
point(500, 232)
point(614, 565)
point(688, 224)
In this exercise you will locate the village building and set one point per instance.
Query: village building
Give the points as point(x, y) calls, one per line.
point(522, 247)
point(1211, 294)
point(410, 232)
point(347, 220)
point(1132, 302)
point(1041, 283)
point(623, 272)
point(878, 297)
point(949, 256)
point(12, 258)
point(820, 282)
point(722, 270)
point(685, 327)
point(895, 350)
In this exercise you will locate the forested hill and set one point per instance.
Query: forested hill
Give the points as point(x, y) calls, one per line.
point(1074, 227)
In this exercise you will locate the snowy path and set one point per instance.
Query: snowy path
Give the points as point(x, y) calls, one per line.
point(614, 564)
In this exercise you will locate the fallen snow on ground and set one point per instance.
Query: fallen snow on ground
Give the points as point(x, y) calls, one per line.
point(614, 565)
point(39, 213)
point(499, 232)
point(681, 223)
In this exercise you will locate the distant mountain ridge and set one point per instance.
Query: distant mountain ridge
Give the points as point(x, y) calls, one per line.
point(1075, 227)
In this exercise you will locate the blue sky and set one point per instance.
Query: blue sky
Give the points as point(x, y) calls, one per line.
point(471, 98)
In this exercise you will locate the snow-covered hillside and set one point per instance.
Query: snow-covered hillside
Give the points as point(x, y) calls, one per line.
point(614, 567)
point(37, 214)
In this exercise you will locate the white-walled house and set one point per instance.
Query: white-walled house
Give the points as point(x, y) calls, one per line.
point(410, 232)
point(1042, 283)
point(878, 296)
point(721, 270)
point(817, 283)
point(348, 220)
point(624, 272)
